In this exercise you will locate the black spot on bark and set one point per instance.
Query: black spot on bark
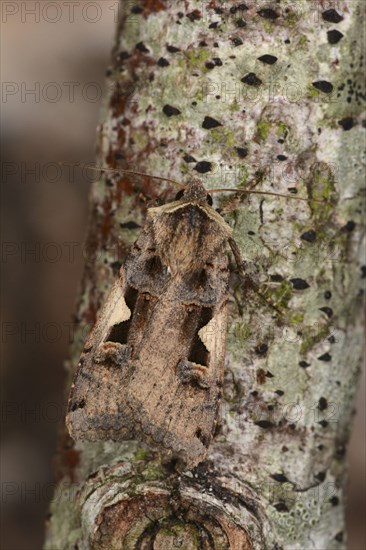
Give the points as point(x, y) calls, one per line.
point(327, 310)
point(280, 392)
point(217, 61)
point(141, 47)
point(332, 16)
point(163, 62)
point(324, 86)
point(137, 9)
point(326, 357)
point(276, 278)
point(122, 56)
point(268, 59)
point(172, 49)
point(282, 158)
point(322, 404)
point(264, 424)
point(309, 236)
point(299, 284)
point(321, 476)
point(346, 123)
point(323, 423)
point(281, 507)
point(350, 226)
point(168, 110)
point(237, 41)
point(210, 123)
point(304, 364)
point(213, 25)
point(189, 158)
point(268, 13)
point(261, 349)
point(251, 79)
point(334, 36)
point(327, 294)
point(194, 16)
point(339, 536)
point(203, 167)
point(240, 23)
point(279, 477)
point(242, 152)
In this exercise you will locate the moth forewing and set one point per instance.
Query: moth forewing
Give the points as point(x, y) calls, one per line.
point(96, 372)
point(152, 368)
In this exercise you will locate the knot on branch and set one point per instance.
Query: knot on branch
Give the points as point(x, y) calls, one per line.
point(151, 522)
point(152, 517)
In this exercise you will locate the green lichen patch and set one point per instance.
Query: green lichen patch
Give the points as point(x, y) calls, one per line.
point(321, 187)
point(263, 129)
point(279, 295)
point(312, 335)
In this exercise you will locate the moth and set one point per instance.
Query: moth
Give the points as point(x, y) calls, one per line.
point(152, 367)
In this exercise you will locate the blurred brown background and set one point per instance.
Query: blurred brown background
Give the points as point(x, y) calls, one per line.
point(54, 59)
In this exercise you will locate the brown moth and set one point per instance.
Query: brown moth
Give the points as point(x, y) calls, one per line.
point(152, 368)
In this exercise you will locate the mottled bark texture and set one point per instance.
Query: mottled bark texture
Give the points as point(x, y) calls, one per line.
point(270, 91)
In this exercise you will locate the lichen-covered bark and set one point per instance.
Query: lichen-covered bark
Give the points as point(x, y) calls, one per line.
point(236, 92)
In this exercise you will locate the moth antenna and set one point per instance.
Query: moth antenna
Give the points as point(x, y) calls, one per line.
point(120, 171)
point(264, 193)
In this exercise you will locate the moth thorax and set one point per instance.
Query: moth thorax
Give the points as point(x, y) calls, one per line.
point(187, 234)
point(181, 257)
point(184, 249)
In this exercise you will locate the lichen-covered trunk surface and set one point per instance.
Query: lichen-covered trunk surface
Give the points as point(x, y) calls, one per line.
point(234, 92)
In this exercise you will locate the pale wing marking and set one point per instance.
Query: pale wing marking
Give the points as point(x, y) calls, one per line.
point(121, 311)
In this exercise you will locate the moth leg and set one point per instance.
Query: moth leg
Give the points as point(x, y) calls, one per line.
point(192, 373)
point(112, 352)
point(247, 280)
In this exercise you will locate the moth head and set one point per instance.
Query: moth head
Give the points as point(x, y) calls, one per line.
point(194, 192)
